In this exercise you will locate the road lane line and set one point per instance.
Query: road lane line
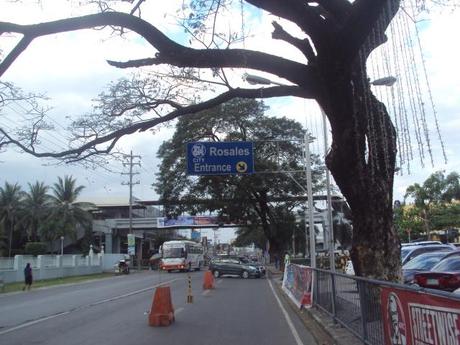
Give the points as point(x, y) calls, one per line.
point(178, 310)
point(205, 292)
point(286, 316)
point(30, 323)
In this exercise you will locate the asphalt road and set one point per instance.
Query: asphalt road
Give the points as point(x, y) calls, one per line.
point(115, 311)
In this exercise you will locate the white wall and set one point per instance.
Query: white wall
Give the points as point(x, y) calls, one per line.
point(52, 266)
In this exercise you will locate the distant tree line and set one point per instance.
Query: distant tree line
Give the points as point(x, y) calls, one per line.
point(434, 205)
point(30, 221)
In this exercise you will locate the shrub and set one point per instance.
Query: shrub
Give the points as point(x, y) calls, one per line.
point(35, 248)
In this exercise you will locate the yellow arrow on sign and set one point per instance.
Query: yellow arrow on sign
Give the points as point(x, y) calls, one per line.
point(241, 167)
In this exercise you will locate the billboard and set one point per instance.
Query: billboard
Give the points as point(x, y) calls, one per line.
point(131, 244)
point(187, 221)
point(298, 284)
point(417, 318)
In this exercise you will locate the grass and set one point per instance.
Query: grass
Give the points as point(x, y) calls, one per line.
point(12, 287)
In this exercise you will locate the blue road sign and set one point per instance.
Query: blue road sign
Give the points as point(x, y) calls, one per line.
point(220, 158)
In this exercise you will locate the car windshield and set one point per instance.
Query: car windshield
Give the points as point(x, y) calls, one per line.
point(451, 264)
point(173, 253)
point(405, 251)
point(424, 261)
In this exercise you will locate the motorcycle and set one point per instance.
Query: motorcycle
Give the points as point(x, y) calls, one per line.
point(122, 267)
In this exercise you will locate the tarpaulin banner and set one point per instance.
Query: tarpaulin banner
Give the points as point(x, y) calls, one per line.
point(298, 284)
point(416, 318)
point(186, 221)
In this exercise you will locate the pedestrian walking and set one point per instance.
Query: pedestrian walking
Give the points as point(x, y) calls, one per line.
point(27, 277)
point(277, 261)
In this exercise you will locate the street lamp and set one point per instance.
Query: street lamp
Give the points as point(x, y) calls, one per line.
point(62, 245)
point(258, 80)
point(255, 80)
point(385, 81)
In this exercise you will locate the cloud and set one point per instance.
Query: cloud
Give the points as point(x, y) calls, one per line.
point(72, 69)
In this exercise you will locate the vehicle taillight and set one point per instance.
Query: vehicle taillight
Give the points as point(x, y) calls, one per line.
point(449, 281)
point(421, 280)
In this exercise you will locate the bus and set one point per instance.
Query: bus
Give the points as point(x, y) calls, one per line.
point(181, 255)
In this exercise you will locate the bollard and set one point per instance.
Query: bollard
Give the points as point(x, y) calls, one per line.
point(189, 294)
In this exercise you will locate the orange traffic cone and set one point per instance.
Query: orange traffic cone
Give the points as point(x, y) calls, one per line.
point(162, 311)
point(208, 281)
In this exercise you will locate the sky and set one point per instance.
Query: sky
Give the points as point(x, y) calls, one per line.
point(71, 69)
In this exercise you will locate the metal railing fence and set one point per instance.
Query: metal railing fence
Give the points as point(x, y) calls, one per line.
point(354, 302)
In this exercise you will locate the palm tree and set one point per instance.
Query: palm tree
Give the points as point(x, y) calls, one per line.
point(10, 208)
point(36, 208)
point(66, 213)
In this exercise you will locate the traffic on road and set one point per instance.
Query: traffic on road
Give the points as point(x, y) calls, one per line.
point(115, 311)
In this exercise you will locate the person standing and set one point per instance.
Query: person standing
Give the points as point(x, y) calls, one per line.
point(287, 259)
point(27, 277)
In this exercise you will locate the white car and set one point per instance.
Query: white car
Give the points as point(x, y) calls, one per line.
point(349, 268)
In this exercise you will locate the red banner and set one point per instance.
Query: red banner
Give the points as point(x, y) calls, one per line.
point(416, 318)
point(297, 283)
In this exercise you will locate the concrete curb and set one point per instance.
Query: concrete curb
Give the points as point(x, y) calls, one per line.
point(321, 325)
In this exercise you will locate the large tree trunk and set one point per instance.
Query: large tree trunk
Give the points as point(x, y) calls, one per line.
point(362, 161)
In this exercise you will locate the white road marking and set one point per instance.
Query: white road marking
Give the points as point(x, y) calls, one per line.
point(219, 281)
point(33, 322)
point(178, 310)
point(27, 324)
point(205, 292)
point(286, 316)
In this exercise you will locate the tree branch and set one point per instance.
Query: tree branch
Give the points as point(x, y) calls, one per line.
point(169, 52)
point(13, 55)
point(363, 18)
point(340, 9)
point(299, 12)
point(132, 63)
point(303, 45)
point(89, 148)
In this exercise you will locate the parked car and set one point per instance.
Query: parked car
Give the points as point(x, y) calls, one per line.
point(420, 243)
point(423, 262)
point(410, 252)
point(443, 276)
point(228, 266)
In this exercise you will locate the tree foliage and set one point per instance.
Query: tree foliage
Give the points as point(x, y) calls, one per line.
point(264, 199)
point(10, 209)
point(66, 212)
point(27, 217)
point(435, 205)
point(337, 38)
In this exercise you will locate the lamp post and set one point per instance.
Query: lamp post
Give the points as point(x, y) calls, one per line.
point(385, 81)
point(311, 220)
point(258, 80)
point(62, 245)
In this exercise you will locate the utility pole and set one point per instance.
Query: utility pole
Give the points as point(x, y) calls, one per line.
point(330, 223)
point(131, 163)
point(311, 221)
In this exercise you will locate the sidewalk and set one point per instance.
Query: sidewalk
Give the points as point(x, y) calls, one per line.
point(316, 321)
